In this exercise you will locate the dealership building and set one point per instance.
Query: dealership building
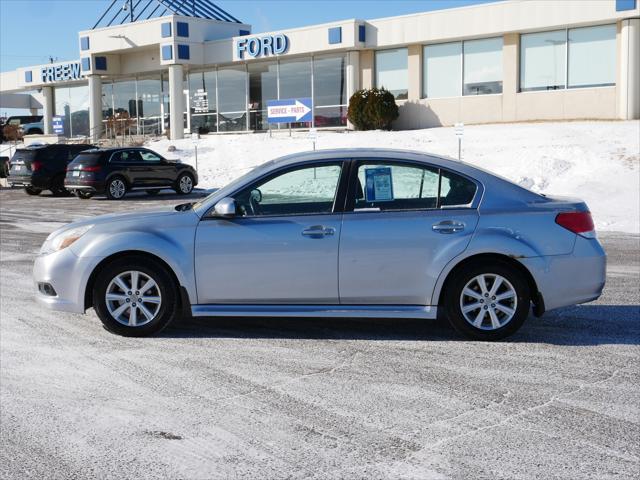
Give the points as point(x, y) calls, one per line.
point(187, 65)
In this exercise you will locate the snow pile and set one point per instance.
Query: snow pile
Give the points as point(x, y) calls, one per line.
point(596, 161)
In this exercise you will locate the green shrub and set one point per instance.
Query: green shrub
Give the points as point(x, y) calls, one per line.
point(372, 109)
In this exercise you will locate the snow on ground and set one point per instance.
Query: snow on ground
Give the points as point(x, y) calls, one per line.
point(596, 161)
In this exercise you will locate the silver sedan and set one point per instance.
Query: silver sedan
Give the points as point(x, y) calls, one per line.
point(334, 233)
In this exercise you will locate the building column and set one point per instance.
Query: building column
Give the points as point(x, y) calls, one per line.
point(176, 101)
point(414, 72)
point(353, 78)
point(47, 110)
point(510, 74)
point(95, 107)
point(367, 74)
point(629, 87)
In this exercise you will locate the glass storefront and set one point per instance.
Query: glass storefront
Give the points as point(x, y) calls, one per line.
point(72, 103)
point(234, 98)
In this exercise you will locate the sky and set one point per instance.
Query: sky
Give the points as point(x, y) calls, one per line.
point(33, 31)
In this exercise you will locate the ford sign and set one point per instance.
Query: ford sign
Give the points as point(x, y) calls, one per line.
point(262, 46)
point(60, 73)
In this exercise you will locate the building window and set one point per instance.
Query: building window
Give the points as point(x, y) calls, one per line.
point(442, 70)
point(591, 59)
point(182, 29)
point(482, 66)
point(263, 86)
point(543, 60)
point(335, 35)
point(202, 102)
point(72, 104)
point(84, 43)
point(167, 52)
point(232, 99)
point(392, 71)
point(295, 82)
point(362, 33)
point(100, 63)
point(592, 56)
point(183, 52)
point(28, 76)
point(330, 91)
point(86, 64)
point(165, 30)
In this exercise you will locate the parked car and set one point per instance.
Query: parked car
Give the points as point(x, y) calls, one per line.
point(334, 233)
point(33, 128)
point(115, 171)
point(43, 167)
point(11, 127)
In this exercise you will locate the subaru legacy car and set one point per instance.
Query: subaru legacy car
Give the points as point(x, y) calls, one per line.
point(334, 233)
point(43, 167)
point(115, 171)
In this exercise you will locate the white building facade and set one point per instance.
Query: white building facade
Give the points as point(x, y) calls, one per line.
point(197, 68)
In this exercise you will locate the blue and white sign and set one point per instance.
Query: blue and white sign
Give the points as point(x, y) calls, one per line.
point(379, 184)
point(289, 110)
point(58, 125)
point(262, 46)
point(61, 73)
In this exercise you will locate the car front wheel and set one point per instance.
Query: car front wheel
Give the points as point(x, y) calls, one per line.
point(135, 298)
point(487, 301)
point(116, 188)
point(184, 184)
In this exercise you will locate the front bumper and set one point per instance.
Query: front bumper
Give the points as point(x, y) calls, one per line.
point(565, 280)
point(68, 274)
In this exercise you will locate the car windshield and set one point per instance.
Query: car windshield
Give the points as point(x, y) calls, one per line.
point(24, 155)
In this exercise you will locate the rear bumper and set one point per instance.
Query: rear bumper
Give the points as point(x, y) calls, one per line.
point(565, 280)
point(85, 185)
point(29, 181)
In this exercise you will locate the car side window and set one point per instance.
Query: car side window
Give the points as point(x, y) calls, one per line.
point(392, 186)
point(298, 191)
point(148, 156)
point(125, 156)
point(455, 190)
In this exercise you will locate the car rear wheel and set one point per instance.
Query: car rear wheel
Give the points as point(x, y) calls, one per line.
point(32, 190)
point(487, 301)
point(83, 194)
point(184, 184)
point(135, 298)
point(116, 188)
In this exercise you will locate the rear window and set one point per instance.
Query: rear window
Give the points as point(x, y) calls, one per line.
point(88, 158)
point(23, 155)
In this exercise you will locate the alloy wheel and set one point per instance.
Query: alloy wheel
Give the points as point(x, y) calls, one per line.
point(488, 301)
point(133, 298)
point(186, 184)
point(117, 188)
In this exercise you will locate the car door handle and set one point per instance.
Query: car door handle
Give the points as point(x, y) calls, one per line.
point(317, 231)
point(448, 226)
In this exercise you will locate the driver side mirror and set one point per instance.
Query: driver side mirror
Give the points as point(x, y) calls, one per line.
point(225, 208)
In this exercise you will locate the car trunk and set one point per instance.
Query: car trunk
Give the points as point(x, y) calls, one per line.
point(22, 163)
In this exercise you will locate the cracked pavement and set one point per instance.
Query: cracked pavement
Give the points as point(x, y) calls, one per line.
point(310, 398)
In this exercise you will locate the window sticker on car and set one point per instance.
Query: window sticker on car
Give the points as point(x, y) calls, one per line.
point(379, 184)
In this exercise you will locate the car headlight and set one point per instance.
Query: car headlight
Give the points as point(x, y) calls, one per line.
point(57, 242)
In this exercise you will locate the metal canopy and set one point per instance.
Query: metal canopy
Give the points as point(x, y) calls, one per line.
point(123, 11)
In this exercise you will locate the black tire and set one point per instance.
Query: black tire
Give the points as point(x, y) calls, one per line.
point(84, 194)
point(113, 192)
point(184, 180)
point(153, 193)
point(169, 309)
point(453, 298)
point(32, 190)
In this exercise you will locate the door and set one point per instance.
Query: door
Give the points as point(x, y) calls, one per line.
point(130, 164)
point(161, 172)
point(403, 223)
point(281, 247)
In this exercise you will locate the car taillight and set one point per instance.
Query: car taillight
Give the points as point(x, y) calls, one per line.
point(577, 222)
point(36, 165)
point(95, 168)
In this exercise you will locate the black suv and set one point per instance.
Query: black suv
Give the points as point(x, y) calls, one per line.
point(42, 167)
point(114, 171)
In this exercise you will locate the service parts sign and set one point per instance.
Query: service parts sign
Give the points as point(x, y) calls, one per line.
point(289, 110)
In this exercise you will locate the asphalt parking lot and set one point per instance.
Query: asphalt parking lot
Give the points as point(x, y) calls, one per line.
point(293, 398)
